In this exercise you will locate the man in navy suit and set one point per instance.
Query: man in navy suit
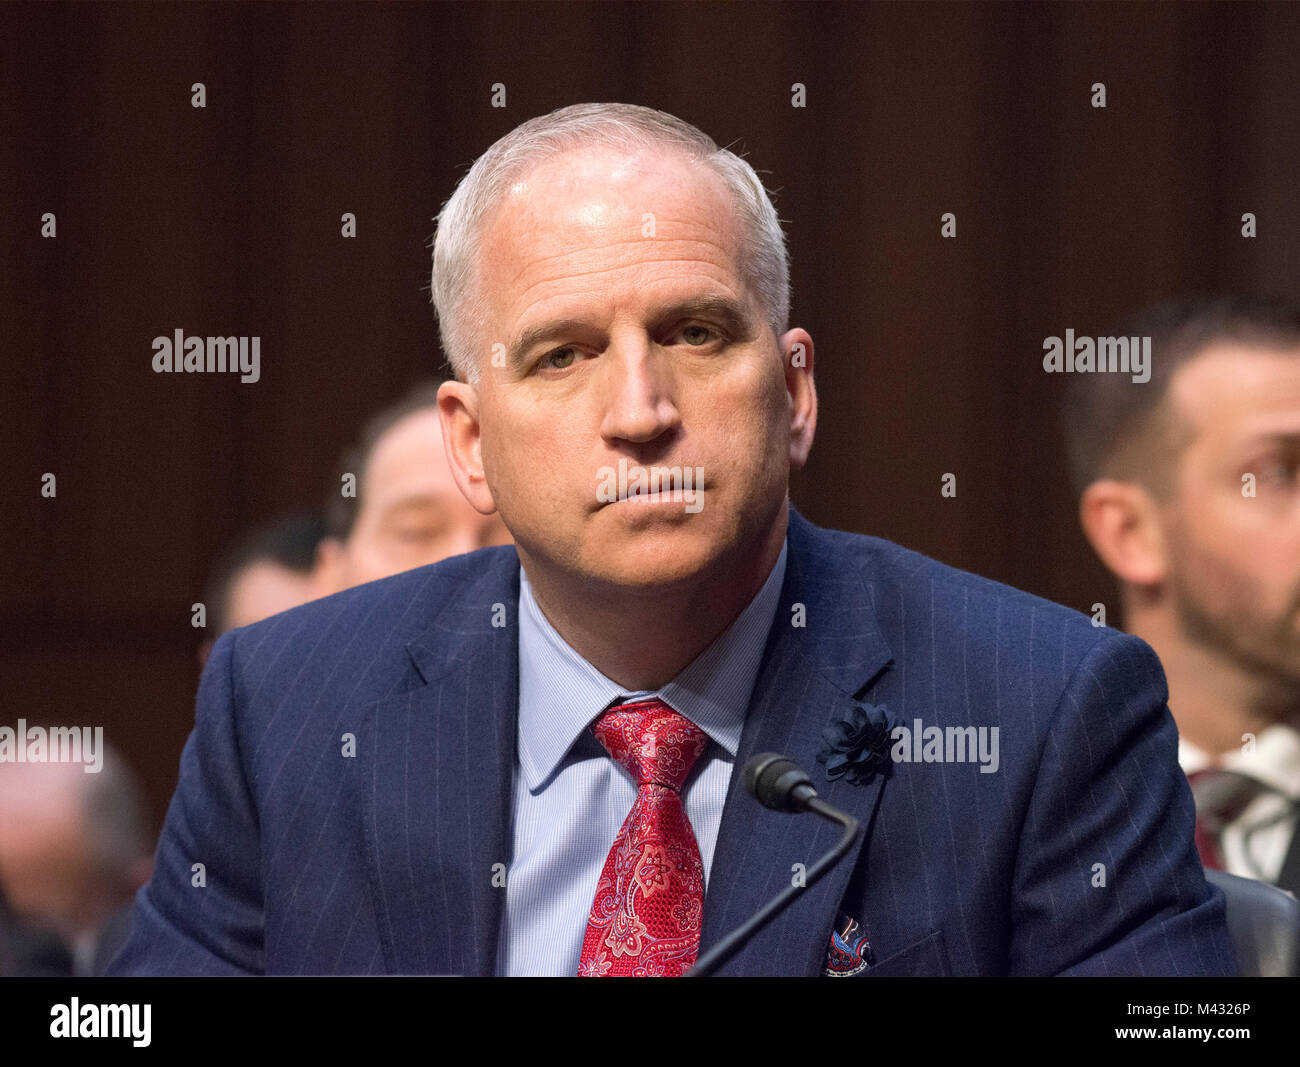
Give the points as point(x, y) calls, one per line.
point(482, 766)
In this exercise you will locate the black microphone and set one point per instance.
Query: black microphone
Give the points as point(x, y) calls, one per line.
point(779, 784)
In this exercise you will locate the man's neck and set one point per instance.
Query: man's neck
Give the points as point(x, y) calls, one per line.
point(644, 640)
point(1215, 699)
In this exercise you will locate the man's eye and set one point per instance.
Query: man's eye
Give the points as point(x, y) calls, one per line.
point(413, 534)
point(703, 334)
point(1278, 472)
point(560, 359)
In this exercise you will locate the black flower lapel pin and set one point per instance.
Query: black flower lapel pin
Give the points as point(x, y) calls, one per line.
point(857, 744)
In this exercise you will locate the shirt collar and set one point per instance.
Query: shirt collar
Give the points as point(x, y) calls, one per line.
point(1274, 761)
point(560, 693)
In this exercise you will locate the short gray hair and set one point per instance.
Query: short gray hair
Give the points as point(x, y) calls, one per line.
point(457, 298)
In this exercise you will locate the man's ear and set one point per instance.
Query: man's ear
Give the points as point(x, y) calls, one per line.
point(458, 411)
point(796, 349)
point(1122, 522)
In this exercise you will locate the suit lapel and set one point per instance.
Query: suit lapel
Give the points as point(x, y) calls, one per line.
point(437, 788)
point(437, 762)
point(809, 678)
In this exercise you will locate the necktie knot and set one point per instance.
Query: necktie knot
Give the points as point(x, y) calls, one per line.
point(1222, 795)
point(653, 743)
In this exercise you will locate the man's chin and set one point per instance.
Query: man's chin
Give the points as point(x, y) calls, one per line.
point(650, 545)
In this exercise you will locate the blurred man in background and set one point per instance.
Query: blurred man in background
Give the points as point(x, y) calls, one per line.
point(74, 848)
point(1191, 497)
point(267, 571)
point(404, 510)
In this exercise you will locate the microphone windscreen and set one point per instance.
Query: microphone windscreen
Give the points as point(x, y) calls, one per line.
point(772, 778)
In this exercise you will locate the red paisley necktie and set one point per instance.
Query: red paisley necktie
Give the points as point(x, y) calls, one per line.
point(645, 918)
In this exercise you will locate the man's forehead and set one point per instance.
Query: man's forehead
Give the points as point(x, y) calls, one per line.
point(55, 789)
point(578, 199)
point(610, 168)
point(1234, 385)
point(411, 448)
point(579, 221)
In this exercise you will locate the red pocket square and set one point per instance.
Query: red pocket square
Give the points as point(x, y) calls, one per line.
point(850, 949)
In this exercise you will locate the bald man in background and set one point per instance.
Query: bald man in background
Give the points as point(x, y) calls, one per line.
point(74, 848)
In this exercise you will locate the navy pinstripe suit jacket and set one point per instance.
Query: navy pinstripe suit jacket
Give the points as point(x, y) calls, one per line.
point(318, 861)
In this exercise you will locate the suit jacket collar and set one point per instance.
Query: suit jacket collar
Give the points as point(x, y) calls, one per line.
point(824, 650)
point(438, 761)
point(437, 788)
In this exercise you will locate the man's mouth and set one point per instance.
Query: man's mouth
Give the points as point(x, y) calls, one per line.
point(679, 484)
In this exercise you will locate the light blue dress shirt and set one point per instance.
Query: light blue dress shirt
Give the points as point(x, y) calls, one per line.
point(570, 797)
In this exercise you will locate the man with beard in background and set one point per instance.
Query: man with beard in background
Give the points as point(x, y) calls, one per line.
point(1190, 489)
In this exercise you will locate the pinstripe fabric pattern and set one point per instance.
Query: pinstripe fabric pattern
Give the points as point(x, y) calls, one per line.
point(344, 801)
point(570, 798)
point(1075, 858)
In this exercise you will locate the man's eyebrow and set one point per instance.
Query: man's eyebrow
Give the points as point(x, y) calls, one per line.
point(734, 316)
point(1287, 438)
point(412, 503)
point(543, 331)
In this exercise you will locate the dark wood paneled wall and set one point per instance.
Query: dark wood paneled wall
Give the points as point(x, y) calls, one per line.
point(226, 220)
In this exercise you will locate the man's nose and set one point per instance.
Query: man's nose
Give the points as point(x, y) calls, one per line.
point(637, 383)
